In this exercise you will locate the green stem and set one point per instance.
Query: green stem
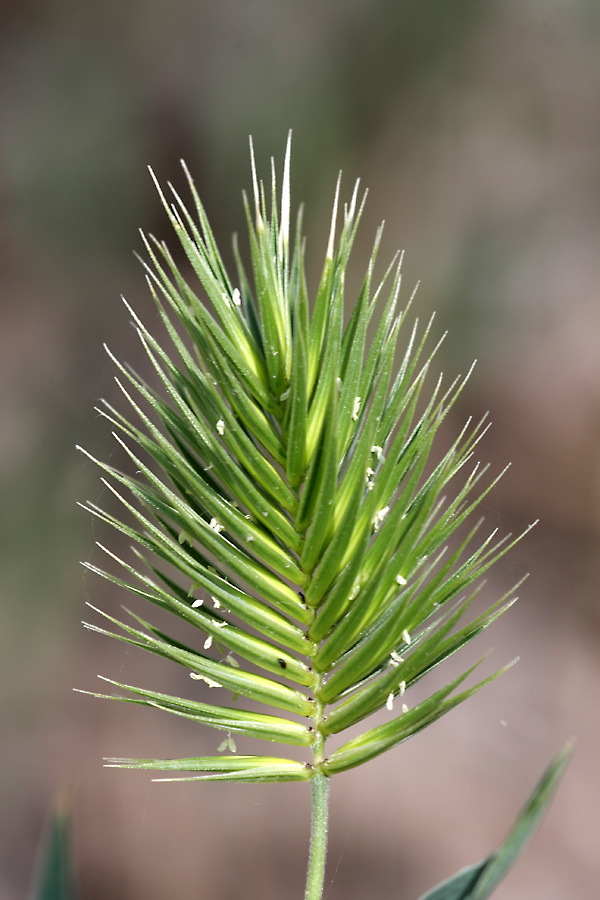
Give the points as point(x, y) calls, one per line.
point(318, 837)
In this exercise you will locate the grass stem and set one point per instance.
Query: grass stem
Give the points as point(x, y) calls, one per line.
point(318, 837)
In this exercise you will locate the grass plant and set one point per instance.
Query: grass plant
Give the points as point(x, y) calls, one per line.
point(288, 500)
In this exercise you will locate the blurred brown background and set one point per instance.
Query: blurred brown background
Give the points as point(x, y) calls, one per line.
point(476, 126)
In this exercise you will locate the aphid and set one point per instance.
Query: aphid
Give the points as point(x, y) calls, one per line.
point(395, 658)
point(390, 701)
point(356, 408)
point(236, 297)
point(208, 642)
point(216, 603)
point(406, 636)
point(221, 426)
point(400, 579)
point(197, 603)
point(216, 525)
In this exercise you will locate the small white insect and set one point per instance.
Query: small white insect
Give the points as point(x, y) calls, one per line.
point(404, 708)
point(285, 394)
point(236, 297)
point(339, 384)
point(406, 636)
point(250, 538)
point(355, 592)
point(401, 580)
point(395, 658)
point(208, 642)
point(221, 624)
point(216, 525)
point(227, 744)
point(402, 687)
point(209, 681)
point(197, 603)
point(216, 602)
point(390, 701)
point(221, 426)
point(379, 517)
point(356, 408)
point(378, 450)
point(368, 472)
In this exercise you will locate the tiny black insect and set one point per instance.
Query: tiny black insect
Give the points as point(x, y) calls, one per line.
point(282, 663)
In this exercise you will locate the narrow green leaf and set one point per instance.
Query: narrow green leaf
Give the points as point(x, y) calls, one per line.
point(479, 881)
point(54, 875)
point(529, 819)
point(459, 886)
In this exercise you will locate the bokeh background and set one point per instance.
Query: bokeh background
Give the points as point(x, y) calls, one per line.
point(476, 126)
